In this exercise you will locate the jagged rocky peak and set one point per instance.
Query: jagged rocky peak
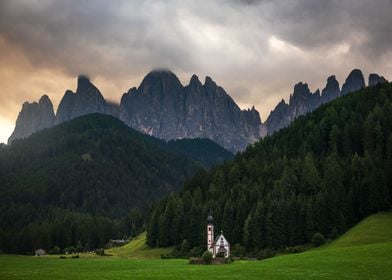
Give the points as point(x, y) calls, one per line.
point(87, 100)
point(209, 83)
point(159, 81)
point(252, 116)
point(32, 118)
point(84, 84)
point(162, 107)
point(331, 90)
point(195, 83)
point(355, 81)
point(375, 79)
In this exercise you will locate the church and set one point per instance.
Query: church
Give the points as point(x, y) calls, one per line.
point(219, 247)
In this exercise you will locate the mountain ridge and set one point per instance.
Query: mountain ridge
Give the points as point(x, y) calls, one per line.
point(162, 107)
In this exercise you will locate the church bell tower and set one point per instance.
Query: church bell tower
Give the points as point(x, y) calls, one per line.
point(210, 235)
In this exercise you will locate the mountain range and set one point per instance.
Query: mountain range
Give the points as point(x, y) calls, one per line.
point(162, 107)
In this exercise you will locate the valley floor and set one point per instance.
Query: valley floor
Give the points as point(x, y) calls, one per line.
point(365, 252)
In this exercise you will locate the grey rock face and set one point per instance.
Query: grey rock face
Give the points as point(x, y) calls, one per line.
point(375, 79)
point(301, 102)
point(163, 108)
point(32, 118)
point(86, 100)
point(331, 90)
point(354, 82)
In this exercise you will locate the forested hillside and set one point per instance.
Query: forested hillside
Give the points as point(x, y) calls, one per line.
point(202, 150)
point(86, 180)
point(323, 173)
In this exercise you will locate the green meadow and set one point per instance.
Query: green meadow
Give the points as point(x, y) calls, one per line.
point(364, 252)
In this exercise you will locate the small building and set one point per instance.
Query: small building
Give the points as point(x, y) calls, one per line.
point(40, 252)
point(219, 246)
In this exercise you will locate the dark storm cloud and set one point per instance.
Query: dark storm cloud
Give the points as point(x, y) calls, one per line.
point(90, 35)
point(255, 49)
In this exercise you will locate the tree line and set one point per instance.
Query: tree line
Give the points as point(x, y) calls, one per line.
point(322, 174)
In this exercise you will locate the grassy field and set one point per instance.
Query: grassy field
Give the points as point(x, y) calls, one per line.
point(137, 249)
point(365, 252)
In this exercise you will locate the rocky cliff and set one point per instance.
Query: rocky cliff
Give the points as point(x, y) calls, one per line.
point(375, 79)
point(354, 82)
point(86, 100)
point(303, 101)
point(162, 107)
point(32, 118)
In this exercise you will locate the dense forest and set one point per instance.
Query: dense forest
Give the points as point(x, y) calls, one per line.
point(86, 181)
point(322, 174)
point(202, 150)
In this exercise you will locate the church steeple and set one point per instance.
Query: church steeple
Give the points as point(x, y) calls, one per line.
point(210, 234)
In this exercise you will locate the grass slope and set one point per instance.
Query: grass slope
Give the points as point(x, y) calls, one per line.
point(373, 229)
point(365, 252)
point(137, 249)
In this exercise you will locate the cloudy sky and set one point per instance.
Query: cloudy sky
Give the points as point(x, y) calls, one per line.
point(256, 50)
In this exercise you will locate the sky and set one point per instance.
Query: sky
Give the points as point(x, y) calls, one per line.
point(256, 50)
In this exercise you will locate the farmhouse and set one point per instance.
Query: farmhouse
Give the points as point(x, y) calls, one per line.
point(219, 246)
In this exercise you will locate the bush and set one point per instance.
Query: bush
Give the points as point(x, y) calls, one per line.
point(196, 252)
point(238, 251)
point(70, 250)
point(75, 257)
point(100, 252)
point(79, 247)
point(207, 257)
point(318, 239)
point(265, 254)
point(296, 249)
point(185, 247)
point(56, 250)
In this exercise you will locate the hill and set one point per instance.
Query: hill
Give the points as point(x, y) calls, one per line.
point(86, 180)
point(372, 230)
point(358, 260)
point(204, 151)
point(323, 173)
point(138, 249)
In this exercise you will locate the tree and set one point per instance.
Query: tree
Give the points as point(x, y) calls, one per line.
point(318, 239)
point(207, 257)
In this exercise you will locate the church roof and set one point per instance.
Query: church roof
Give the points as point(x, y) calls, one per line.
point(219, 236)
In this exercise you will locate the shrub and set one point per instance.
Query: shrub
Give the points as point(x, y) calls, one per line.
point(238, 251)
point(196, 252)
point(207, 257)
point(265, 254)
point(185, 247)
point(100, 252)
point(296, 249)
point(318, 239)
point(79, 247)
point(56, 250)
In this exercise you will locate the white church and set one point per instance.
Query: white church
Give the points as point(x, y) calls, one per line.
point(218, 246)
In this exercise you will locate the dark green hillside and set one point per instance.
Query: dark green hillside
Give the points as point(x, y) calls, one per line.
point(325, 172)
point(79, 181)
point(205, 151)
